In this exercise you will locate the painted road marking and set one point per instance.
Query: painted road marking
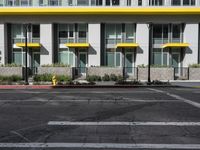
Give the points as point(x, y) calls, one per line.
point(90, 100)
point(100, 145)
point(177, 97)
point(69, 123)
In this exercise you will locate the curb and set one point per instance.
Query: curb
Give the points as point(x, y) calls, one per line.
point(82, 86)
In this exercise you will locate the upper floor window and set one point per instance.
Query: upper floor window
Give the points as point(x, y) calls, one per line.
point(113, 33)
point(35, 31)
point(160, 33)
point(82, 33)
point(96, 2)
point(112, 2)
point(129, 33)
point(139, 2)
point(53, 2)
point(12, 2)
point(82, 2)
point(155, 2)
point(177, 33)
point(183, 2)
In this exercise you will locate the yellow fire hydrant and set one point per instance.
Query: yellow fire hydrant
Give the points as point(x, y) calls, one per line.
point(54, 80)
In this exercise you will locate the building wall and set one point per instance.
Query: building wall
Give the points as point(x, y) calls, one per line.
point(94, 52)
point(46, 40)
point(191, 37)
point(142, 38)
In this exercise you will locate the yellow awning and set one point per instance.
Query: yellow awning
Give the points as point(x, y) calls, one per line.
point(77, 45)
point(178, 45)
point(31, 45)
point(127, 45)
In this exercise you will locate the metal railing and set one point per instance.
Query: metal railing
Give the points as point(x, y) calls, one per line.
point(130, 73)
point(181, 73)
point(79, 72)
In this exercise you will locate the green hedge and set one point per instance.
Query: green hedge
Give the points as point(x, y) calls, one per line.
point(48, 78)
point(10, 65)
point(56, 65)
point(194, 66)
point(106, 77)
point(13, 78)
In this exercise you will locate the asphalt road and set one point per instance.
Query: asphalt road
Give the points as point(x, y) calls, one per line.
point(90, 119)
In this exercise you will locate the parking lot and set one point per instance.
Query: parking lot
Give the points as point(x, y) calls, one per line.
point(90, 119)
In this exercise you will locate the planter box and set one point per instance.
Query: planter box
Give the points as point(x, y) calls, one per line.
point(194, 73)
point(9, 71)
point(101, 71)
point(156, 74)
point(55, 70)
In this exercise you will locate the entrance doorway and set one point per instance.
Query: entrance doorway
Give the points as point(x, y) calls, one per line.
point(82, 63)
point(176, 63)
point(35, 62)
point(129, 63)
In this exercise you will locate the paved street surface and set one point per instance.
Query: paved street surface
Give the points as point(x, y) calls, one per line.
point(105, 119)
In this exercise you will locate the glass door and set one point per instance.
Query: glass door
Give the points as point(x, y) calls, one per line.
point(35, 62)
point(82, 63)
point(129, 63)
point(176, 63)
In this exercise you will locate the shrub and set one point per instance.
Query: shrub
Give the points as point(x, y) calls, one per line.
point(106, 77)
point(93, 78)
point(194, 65)
point(43, 77)
point(56, 65)
point(113, 77)
point(48, 78)
point(13, 78)
point(120, 78)
point(11, 65)
point(141, 66)
point(159, 66)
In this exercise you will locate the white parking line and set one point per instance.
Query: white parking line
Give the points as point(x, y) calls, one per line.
point(100, 145)
point(177, 97)
point(68, 123)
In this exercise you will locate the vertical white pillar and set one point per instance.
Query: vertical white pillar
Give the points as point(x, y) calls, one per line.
point(191, 36)
point(94, 52)
point(2, 44)
point(142, 38)
point(46, 40)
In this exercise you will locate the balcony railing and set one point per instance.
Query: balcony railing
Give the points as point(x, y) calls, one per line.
point(22, 40)
point(72, 3)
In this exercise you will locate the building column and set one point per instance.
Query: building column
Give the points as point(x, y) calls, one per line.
point(191, 37)
point(46, 40)
point(2, 44)
point(94, 38)
point(142, 38)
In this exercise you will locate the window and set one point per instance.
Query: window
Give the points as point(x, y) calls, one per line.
point(160, 33)
point(130, 33)
point(12, 2)
point(82, 32)
point(18, 57)
point(96, 2)
point(160, 57)
point(25, 2)
point(54, 2)
point(112, 2)
point(155, 2)
point(113, 33)
point(139, 2)
point(82, 2)
point(176, 2)
point(189, 2)
point(176, 33)
point(66, 30)
point(35, 31)
point(113, 58)
point(66, 57)
point(17, 32)
point(128, 2)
